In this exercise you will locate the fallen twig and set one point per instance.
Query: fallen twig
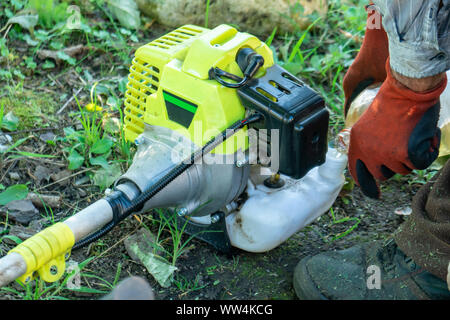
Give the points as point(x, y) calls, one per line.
point(40, 199)
point(55, 81)
point(33, 130)
point(9, 168)
point(65, 178)
point(115, 244)
point(70, 51)
point(7, 31)
point(39, 160)
point(68, 101)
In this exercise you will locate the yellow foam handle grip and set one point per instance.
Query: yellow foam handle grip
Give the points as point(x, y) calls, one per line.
point(45, 253)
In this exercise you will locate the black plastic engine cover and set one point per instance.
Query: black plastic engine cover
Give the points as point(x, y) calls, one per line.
point(290, 106)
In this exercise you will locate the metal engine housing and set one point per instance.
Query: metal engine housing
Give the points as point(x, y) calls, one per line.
point(203, 189)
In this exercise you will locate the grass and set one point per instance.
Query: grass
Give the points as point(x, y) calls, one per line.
point(322, 53)
point(2, 114)
point(170, 236)
point(50, 12)
point(335, 221)
point(207, 14)
point(48, 212)
point(187, 286)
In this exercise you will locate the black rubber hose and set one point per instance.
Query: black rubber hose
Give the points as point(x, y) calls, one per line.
point(137, 203)
point(94, 237)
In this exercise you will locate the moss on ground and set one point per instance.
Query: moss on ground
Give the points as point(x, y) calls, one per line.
point(35, 110)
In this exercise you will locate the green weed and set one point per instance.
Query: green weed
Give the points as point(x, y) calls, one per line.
point(6, 125)
point(186, 285)
point(175, 245)
point(89, 140)
point(422, 177)
point(48, 212)
point(343, 220)
point(99, 141)
point(50, 12)
point(207, 13)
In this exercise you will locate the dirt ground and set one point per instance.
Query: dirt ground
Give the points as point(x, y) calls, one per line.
point(208, 274)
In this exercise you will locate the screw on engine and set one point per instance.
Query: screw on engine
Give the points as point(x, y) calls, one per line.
point(242, 161)
point(182, 212)
point(139, 140)
point(215, 218)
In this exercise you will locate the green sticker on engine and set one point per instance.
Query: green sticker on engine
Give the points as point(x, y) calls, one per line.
point(179, 110)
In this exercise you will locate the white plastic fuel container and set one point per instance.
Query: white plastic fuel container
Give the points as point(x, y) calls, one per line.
point(271, 216)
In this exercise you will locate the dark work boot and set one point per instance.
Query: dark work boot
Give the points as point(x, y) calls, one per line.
point(373, 271)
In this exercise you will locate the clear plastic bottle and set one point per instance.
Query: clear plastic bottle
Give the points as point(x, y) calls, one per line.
point(361, 103)
point(365, 98)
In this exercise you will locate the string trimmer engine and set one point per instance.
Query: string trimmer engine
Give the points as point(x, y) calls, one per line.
point(191, 84)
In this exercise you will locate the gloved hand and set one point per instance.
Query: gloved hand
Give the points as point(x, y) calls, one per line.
point(368, 67)
point(396, 134)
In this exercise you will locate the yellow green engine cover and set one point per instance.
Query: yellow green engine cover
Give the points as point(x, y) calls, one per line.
point(169, 84)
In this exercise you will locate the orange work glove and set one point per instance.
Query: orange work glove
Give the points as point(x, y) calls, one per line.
point(396, 134)
point(368, 67)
